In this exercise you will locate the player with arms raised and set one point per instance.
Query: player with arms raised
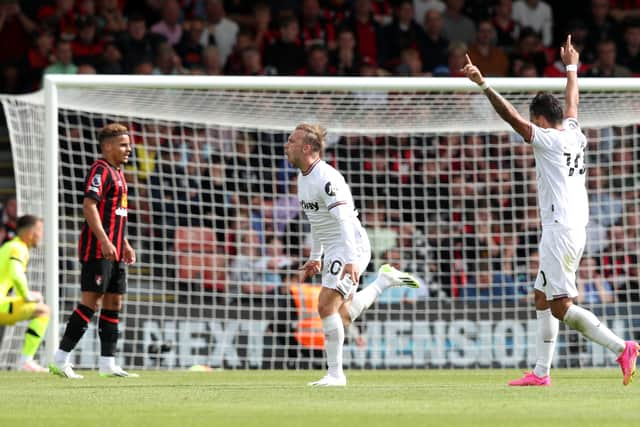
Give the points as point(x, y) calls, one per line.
point(326, 200)
point(558, 147)
point(104, 253)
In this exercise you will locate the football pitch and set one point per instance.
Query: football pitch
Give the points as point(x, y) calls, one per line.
point(586, 397)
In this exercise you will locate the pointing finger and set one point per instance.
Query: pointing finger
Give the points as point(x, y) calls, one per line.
point(569, 40)
point(466, 55)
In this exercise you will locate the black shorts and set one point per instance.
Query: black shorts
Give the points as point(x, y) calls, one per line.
point(104, 276)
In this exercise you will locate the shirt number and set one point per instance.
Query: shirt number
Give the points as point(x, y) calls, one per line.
point(574, 163)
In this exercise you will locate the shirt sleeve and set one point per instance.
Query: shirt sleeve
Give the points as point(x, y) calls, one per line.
point(17, 272)
point(96, 182)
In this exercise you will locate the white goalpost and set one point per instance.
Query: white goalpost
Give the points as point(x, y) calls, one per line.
point(443, 186)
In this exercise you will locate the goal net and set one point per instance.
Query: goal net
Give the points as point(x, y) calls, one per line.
point(444, 189)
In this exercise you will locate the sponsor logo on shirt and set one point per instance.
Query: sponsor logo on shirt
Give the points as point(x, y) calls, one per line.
point(309, 206)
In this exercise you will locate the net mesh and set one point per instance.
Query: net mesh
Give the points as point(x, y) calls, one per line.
point(444, 191)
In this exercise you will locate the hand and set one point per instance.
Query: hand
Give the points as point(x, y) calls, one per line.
point(309, 269)
point(129, 254)
point(352, 271)
point(568, 54)
point(472, 72)
point(36, 296)
point(108, 250)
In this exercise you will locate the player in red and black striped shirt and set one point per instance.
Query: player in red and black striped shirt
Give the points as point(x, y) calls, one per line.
point(104, 253)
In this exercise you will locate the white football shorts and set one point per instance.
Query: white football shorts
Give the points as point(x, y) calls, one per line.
point(560, 252)
point(334, 263)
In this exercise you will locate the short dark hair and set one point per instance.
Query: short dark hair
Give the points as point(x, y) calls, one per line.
point(26, 221)
point(112, 130)
point(548, 106)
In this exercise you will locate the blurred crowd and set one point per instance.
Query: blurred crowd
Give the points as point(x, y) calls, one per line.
point(215, 210)
point(312, 37)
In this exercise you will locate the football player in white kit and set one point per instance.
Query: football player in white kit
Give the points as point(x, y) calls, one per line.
point(558, 147)
point(326, 200)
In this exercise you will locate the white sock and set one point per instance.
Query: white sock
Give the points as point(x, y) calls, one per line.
point(107, 362)
point(588, 325)
point(24, 359)
point(333, 342)
point(61, 357)
point(363, 300)
point(546, 336)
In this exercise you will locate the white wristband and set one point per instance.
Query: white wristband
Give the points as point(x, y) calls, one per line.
point(572, 67)
point(484, 85)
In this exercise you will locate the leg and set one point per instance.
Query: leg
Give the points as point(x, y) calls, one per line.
point(108, 324)
point(35, 332)
point(329, 302)
point(388, 277)
point(590, 327)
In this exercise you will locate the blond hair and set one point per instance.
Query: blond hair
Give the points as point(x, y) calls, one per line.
point(314, 135)
point(112, 130)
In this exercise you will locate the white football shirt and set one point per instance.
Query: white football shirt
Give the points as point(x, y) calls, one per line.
point(560, 169)
point(326, 200)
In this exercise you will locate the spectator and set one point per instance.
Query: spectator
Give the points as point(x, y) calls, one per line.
point(39, 57)
point(537, 15)
point(529, 49)
point(421, 7)
point(17, 27)
point(212, 66)
point(59, 18)
point(457, 26)
point(629, 50)
point(273, 263)
point(252, 62)
point(111, 20)
point(137, 44)
point(345, 58)
point(9, 219)
point(189, 47)
point(111, 62)
point(86, 69)
point(264, 35)
point(64, 60)
point(410, 64)
point(600, 26)
point(87, 48)
point(315, 30)
point(169, 26)
point(167, 62)
point(456, 58)
point(143, 67)
point(592, 287)
point(506, 28)
point(244, 40)
point(219, 30)
point(485, 55)
point(605, 64)
point(286, 55)
point(402, 33)
point(367, 30)
point(435, 46)
point(317, 63)
point(246, 276)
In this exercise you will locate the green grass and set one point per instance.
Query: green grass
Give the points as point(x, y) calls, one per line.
point(281, 398)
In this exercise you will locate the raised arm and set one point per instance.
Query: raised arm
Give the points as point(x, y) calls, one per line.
point(570, 57)
point(504, 108)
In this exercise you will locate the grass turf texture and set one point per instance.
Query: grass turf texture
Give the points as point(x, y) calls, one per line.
point(281, 398)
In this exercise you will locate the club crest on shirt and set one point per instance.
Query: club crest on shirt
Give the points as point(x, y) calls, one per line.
point(330, 189)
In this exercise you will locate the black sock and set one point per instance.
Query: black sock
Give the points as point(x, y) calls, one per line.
point(76, 326)
point(108, 332)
